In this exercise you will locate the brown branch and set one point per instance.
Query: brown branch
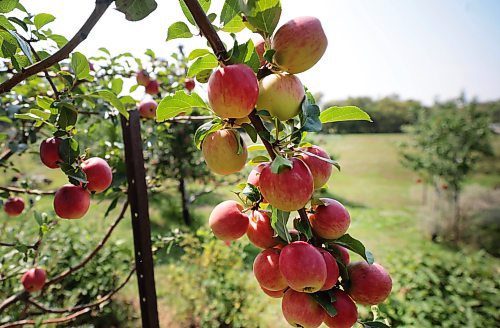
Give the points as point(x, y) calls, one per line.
point(79, 37)
point(27, 191)
point(91, 254)
point(47, 321)
point(189, 118)
point(98, 302)
point(13, 299)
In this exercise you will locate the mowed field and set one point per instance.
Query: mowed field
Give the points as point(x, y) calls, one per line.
point(382, 196)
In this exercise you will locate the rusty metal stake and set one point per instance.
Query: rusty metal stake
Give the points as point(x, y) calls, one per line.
point(138, 199)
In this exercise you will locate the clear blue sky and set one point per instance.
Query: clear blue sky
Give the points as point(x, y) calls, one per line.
point(419, 49)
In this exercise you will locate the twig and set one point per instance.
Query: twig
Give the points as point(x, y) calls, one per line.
point(47, 321)
point(13, 299)
point(91, 254)
point(79, 37)
point(27, 191)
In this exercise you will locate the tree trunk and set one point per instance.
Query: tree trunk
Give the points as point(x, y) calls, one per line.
point(185, 209)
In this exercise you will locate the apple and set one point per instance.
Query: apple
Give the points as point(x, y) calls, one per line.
point(347, 312)
point(227, 220)
point(266, 269)
point(189, 84)
point(142, 78)
point(331, 220)
point(332, 270)
point(254, 176)
point(301, 310)
point(34, 279)
point(71, 202)
point(260, 48)
point(320, 170)
point(299, 44)
point(303, 267)
point(369, 284)
point(260, 232)
point(220, 150)
point(281, 95)
point(233, 91)
point(49, 152)
point(99, 174)
point(153, 88)
point(288, 190)
point(273, 293)
point(344, 254)
point(147, 108)
point(13, 206)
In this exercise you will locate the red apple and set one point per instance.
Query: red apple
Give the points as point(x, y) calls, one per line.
point(34, 279)
point(227, 221)
point(13, 206)
point(331, 220)
point(301, 310)
point(281, 95)
point(347, 312)
point(288, 190)
point(303, 267)
point(220, 150)
point(49, 152)
point(153, 88)
point(273, 293)
point(254, 176)
point(99, 174)
point(344, 254)
point(369, 284)
point(189, 84)
point(260, 232)
point(260, 49)
point(233, 91)
point(142, 78)
point(147, 108)
point(266, 269)
point(71, 202)
point(299, 44)
point(332, 270)
point(320, 170)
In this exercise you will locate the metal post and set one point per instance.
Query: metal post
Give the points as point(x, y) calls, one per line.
point(138, 199)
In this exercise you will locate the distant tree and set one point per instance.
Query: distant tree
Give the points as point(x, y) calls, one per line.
point(446, 143)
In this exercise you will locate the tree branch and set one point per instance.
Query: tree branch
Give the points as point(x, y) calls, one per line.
point(47, 321)
point(17, 190)
point(13, 299)
point(91, 254)
point(79, 37)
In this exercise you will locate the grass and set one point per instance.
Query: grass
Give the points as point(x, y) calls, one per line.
point(382, 196)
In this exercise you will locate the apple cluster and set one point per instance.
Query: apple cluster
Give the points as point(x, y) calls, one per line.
point(73, 201)
point(306, 266)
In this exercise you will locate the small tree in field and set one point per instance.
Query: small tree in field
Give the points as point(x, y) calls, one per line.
point(447, 142)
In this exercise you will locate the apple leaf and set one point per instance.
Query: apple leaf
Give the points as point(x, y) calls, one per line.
point(111, 98)
point(205, 4)
point(206, 129)
point(8, 5)
point(250, 130)
point(325, 299)
point(269, 54)
point(356, 246)
point(251, 192)
point(69, 150)
point(80, 65)
point(206, 62)
point(42, 19)
point(197, 53)
point(309, 116)
point(304, 227)
point(204, 75)
point(280, 163)
point(136, 10)
point(279, 220)
point(245, 54)
point(258, 159)
point(178, 30)
point(230, 10)
point(345, 113)
point(179, 103)
point(263, 15)
point(235, 25)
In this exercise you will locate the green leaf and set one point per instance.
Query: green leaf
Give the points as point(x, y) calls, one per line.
point(19, 22)
point(23, 44)
point(204, 130)
point(269, 54)
point(80, 65)
point(4, 22)
point(309, 116)
point(117, 85)
point(345, 113)
point(75, 174)
point(178, 30)
point(203, 63)
point(197, 53)
point(42, 19)
point(235, 25)
point(58, 39)
point(38, 218)
point(69, 150)
point(374, 324)
point(252, 193)
point(8, 45)
point(256, 147)
point(136, 10)
point(264, 15)
point(180, 102)
point(279, 220)
point(250, 130)
point(67, 116)
point(304, 227)
point(325, 300)
point(205, 4)
point(245, 54)
point(110, 97)
point(230, 10)
point(204, 76)
point(258, 159)
point(8, 5)
point(111, 206)
point(328, 160)
point(279, 164)
point(356, 246)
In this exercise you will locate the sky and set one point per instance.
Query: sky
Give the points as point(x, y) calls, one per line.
point(419, 49)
